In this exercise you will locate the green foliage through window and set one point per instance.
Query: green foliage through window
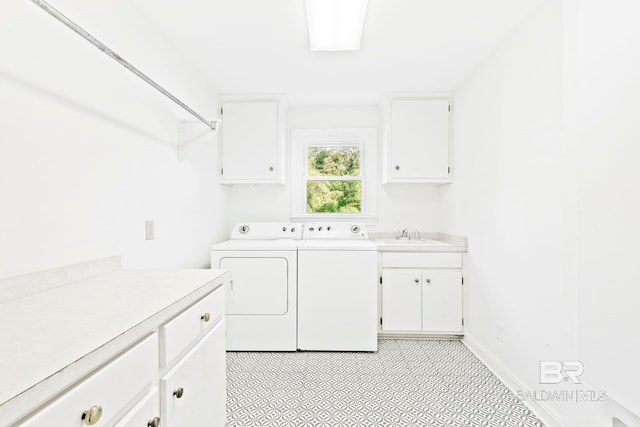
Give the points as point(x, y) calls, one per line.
point(334, 194)
point(334, 161)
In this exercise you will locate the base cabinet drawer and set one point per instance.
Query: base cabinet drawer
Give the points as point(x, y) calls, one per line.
point(193, 392)
point(146, 413)
point(178, 334)
point(421, 260)
point(104, 394)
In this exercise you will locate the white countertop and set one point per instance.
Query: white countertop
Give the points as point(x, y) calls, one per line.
point(431, 242)
point(55, 337)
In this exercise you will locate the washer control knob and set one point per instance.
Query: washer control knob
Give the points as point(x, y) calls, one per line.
point(355, 229)
point(319, 228)
point(329, 228)
point(244, 229)
point(293, 229)
point(284, 228)
point(311, 229)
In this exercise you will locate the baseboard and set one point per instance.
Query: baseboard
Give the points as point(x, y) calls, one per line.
point(417, 336)
point(547, 415)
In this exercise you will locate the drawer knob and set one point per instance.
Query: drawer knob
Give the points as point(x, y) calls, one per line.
point(178, 392)
point(92, 415)
point(206, 317)
point(428, 280)
point(154, 422)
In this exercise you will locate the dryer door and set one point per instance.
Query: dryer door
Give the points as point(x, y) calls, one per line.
point(260, 285)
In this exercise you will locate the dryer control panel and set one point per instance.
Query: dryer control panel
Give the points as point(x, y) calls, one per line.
point(266, 231)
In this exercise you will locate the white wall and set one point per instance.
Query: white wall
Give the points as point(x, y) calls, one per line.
point(545, 154)
point(88, 150)
point(399, 206)
point(605, 131)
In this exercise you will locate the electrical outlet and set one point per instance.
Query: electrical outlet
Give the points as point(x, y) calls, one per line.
point(150, 229)
point(500, 331)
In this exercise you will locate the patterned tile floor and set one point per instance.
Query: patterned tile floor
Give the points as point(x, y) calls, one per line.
point(406, 383)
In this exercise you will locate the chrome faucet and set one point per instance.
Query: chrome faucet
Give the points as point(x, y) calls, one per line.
point(403, 234)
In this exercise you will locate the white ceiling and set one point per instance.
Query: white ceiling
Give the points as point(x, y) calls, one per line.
point(262, 46)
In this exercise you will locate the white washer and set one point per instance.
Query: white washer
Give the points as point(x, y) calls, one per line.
point(261, 296)
point(337, 288)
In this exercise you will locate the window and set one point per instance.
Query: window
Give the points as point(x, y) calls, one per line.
point(334, 173)
point(333, 179)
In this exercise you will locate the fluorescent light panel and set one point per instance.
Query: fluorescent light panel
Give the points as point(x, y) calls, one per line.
point(335, 24)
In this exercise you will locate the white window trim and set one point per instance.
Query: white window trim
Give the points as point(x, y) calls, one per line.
point(365, 139)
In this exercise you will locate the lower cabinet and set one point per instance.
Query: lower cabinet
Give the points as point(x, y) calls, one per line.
point(194, 390)
point(401, 300)
point(421, 300)
point(441, 301)
point(133, 390)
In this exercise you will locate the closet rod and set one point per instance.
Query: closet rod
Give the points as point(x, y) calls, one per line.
point(97, 43)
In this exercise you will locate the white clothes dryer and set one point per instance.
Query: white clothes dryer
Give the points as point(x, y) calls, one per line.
point(261, 297)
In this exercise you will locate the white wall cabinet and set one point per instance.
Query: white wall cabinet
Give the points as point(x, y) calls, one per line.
point(252, 142)
point(416, 299)
point(416, 144)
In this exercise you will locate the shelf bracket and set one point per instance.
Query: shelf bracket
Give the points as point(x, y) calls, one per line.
point(186, 139)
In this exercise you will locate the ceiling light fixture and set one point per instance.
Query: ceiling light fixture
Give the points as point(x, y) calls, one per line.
point(335, 24)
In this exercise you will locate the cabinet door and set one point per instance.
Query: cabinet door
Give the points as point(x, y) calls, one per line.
point(145, 411)
point(419, 146)
point(401, 299)
point(250, 142)
point(441, 301)
point(194, 391)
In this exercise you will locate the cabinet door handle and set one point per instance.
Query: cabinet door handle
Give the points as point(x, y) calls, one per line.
point(397, 168)
point(428, 280)
point(270, 168)
point(206, 317)
point(154, 422)
point(178, 392)
point(92, 415)
point(416, 280)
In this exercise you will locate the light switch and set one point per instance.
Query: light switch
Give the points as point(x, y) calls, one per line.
point(150, 229)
